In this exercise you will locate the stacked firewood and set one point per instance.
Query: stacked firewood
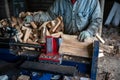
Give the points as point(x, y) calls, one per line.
point(33, 32)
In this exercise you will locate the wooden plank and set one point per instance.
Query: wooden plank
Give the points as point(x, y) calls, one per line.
point(71, 46)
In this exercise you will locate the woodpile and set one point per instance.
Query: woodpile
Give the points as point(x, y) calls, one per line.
point(33, 32)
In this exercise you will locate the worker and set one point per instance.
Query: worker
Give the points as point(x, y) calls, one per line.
point(80, 17)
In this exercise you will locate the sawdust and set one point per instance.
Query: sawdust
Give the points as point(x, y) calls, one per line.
point(109, 65)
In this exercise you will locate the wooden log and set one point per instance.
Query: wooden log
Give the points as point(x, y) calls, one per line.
point(43, 32)
point(23, 77)
point(71, 46)
point(33, 25)
point(31, 41)
point(26, 35)
point(100, 38)
point(49, 25)
point(13, 21)
point(28, 48)
point(19, 36)
point(24, 28)
point(60, 28)
point(22, 15)
point(31, 36)
point(47, 32)
point(53, 23)
point(43, 25)
point(1, 25)
point(20, 22)
point(57, 25)
point(43, 35)
point(106, 48)
point(57, 35)
point(17, 27)
point(4, 23)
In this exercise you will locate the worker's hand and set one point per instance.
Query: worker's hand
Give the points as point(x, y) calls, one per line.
point(28, 19)
point(84, 35)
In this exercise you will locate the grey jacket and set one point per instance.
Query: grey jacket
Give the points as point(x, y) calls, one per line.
point(83, 15)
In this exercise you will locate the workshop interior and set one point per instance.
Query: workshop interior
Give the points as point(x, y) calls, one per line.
point(42, 51)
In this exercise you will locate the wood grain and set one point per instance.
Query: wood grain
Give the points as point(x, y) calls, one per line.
point(71, 46)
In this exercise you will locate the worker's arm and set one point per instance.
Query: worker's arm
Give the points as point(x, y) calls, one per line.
point(95, 21)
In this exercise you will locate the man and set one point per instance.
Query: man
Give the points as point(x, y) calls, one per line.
point(80, 17)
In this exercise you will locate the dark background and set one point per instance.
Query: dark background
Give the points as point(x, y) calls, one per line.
point(36, 5)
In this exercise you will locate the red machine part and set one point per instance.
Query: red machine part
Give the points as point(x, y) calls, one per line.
point(52, 46)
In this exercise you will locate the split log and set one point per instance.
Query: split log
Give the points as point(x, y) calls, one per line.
point(55, 25)
point(31, 41)
point(60, 28)
point(43, 32)
point(71, 46)
point(14, 21)
point(4, 22)
point(33, 25)
point(57, 35)
point(106, 48)
point(100, 38)
point(20, 22)
point(19, 36)
point(43, 35)
point(23, 77)
point(26, 35)
point(50, 24)
point(22, 15)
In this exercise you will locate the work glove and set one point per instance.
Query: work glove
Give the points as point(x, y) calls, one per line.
point(28, 19)
point(83, 35)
